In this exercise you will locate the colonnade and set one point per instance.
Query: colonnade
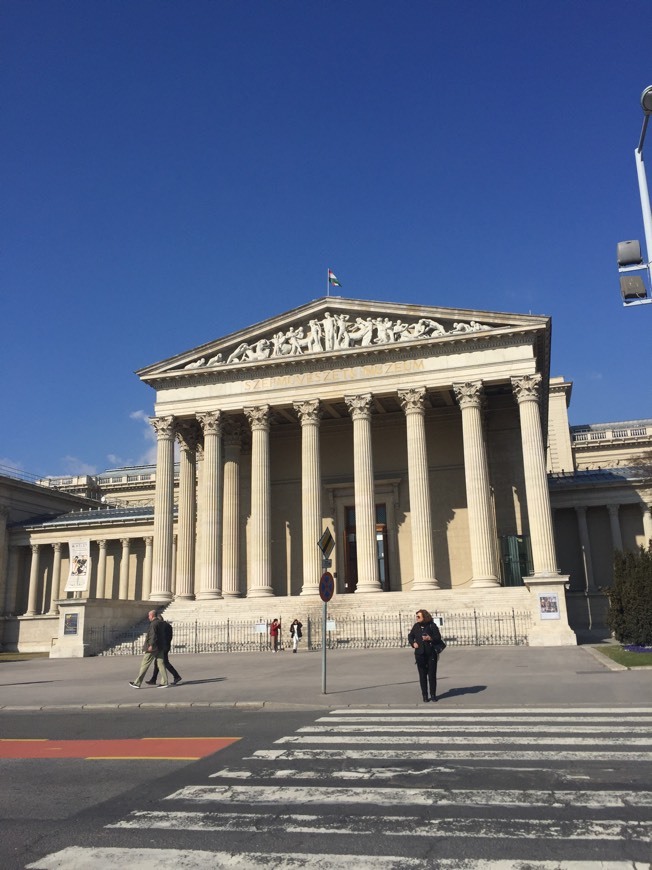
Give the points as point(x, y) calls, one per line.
point(613, 511)
point(217, 547)
point(208, 540)
point(36, 605)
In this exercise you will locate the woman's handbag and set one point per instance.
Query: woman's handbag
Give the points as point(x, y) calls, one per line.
point(439, 647)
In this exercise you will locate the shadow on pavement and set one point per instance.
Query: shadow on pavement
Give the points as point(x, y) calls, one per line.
point(29, 683)
point(377, 686)
point(464, 690)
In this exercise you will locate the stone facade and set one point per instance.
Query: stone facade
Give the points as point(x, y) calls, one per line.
point(416, 434)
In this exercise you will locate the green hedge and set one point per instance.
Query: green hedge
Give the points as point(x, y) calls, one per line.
point(630, 598)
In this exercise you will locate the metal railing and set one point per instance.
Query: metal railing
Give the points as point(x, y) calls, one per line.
point(468, 628)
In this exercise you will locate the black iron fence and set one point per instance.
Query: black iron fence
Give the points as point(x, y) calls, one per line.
point(469, 628)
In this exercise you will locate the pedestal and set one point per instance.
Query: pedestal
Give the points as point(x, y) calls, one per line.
point(549, 615)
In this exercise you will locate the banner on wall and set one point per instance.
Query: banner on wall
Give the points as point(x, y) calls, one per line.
point(80, 566)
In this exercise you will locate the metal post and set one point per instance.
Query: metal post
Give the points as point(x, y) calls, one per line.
point(645, 205)
point(323, 648)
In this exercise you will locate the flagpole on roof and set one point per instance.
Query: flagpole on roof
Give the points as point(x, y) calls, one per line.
point(328, 282)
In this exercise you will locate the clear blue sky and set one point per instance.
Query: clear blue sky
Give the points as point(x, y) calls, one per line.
point(174, 171)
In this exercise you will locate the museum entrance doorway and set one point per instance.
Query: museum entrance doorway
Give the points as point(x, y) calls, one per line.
point(351, 552)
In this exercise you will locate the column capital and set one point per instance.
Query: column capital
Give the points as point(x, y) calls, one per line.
point(125, 541)
point(102, 544)
point(163, 426)
point(359, 406)
point(187, 436)
point(527, 388)
point(211, 422)
point(258, 417)
point(35, 548)
point(469, 394)
point(57, 546)
point(149, 540)
point(613, 509)
point(309, 411)
point(413, 401)
point(232, 433)
point(580, 510)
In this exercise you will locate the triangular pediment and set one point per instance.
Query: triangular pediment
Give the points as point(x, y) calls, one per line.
point(335, 325)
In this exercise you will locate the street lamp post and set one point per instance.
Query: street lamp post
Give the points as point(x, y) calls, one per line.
point(633, 289)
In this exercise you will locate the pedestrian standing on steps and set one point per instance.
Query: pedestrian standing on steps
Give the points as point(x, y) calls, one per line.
point(295, 633)
point(274, 631)
point(176, 676)
point(424, 637)
point(154, 647)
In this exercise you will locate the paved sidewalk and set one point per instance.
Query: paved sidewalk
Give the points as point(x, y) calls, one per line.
point(469, 677)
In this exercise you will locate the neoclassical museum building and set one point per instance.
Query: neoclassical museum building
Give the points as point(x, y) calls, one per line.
point(432, 443)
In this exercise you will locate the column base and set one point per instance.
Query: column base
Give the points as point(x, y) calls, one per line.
point(208, 595)
point(231, 594)
point(184, 597)
point(311, 590)
point(368, 587)
point(484, 582)
point(158, 596)
point(261, 592)
point(425, 584)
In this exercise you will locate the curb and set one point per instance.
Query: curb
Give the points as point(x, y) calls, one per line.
point(277, 706)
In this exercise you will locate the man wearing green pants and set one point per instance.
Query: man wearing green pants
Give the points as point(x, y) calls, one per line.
point(154, 652)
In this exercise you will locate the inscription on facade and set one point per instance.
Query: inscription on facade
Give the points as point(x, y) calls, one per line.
point(354, 373)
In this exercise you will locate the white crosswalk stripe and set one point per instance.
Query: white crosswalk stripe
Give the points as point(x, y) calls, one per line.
point(78, 858)
point(534, 790)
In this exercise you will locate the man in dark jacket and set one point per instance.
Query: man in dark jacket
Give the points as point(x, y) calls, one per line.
point(424, 637)
point(154, 650)
point(167, 634)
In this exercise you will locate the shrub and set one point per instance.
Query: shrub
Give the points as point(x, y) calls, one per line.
point(630, 598)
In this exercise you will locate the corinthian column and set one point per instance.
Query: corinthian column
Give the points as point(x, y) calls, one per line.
point(100, 592)
point(478, 491)
point(260, 569)
point(647, 524)
point(585, 544)
point(231, 511)
point(310, 494)
point(56, 578)
point(13, 563)
point(365, 503)
point(32, 595)
point(163, 509)
point(210, 516)
point(186, 518)
point(147, 567)
point(4, 556)
point(616, 535)
point(542, 536)
point(423, 558)
point(123, 589)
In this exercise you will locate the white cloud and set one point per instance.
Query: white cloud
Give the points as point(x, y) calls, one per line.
point(149, 456)
point(75, 466)
point(15, 464)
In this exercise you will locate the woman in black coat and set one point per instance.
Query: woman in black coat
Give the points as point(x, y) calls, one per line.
point(424, 637)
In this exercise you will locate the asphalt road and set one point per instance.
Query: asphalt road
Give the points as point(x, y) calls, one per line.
point(388, 788)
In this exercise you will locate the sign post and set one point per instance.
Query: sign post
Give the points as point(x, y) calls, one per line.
point(326, 589)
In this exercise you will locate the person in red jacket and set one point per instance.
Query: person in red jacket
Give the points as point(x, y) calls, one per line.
point(274, 632)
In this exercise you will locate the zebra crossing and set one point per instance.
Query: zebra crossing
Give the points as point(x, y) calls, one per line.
point(509, 789)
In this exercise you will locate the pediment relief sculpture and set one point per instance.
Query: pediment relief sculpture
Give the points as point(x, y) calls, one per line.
point(332, 332)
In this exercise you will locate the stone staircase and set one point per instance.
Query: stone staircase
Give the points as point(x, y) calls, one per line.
point(347, 611)
point(287, 608)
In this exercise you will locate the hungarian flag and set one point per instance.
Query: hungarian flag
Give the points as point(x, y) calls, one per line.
point(333, 280)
